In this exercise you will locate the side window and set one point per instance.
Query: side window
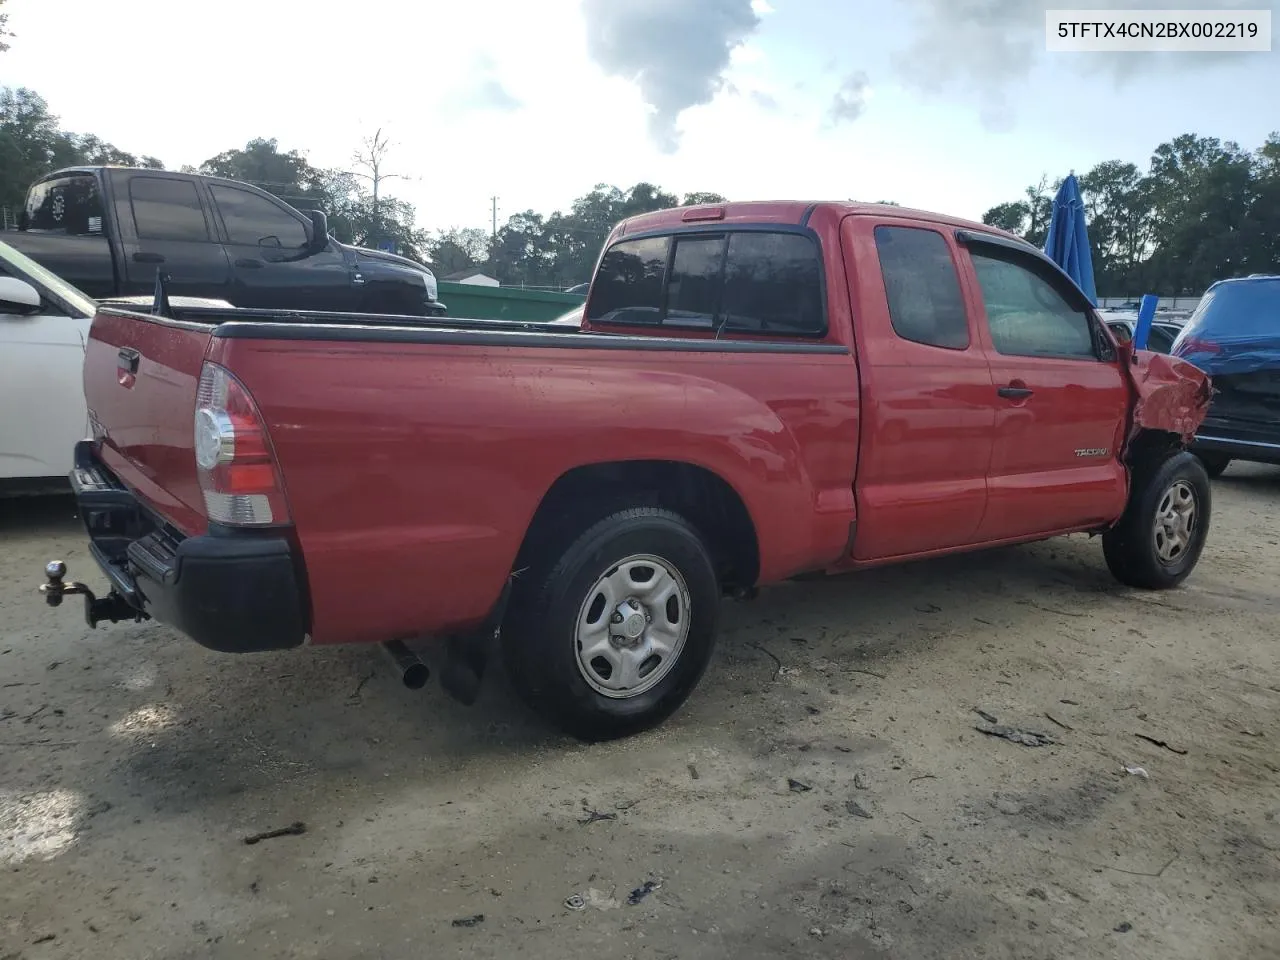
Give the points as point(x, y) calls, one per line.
point(165, 209)
point(1160, 340)
point(256, 221)
point(922, 287)
point(628, 284)
point(773, 284)
point(1027, 315)
point(694, 288)
point(70, 205)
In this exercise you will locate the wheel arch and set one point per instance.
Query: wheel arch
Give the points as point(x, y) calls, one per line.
point(703, 497)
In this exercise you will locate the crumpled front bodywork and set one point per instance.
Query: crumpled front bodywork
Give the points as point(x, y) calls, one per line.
point(1170, 395)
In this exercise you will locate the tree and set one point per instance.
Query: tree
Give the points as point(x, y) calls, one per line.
point(32, 144)
point(1204, 210)
point(354, 215)
point(4, 29)
point(372, 156)
point(697, 199)
point(1010, 216)
point(261, 163)
point(457, 249)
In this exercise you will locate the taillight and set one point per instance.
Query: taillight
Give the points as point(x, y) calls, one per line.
point(234, 459)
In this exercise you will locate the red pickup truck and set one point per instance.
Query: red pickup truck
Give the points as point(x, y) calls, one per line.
point(757, 391)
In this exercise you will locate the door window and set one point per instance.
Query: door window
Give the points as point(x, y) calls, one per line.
point(922, 287)
point(1026, 313)
point(252, 220)
point(165, 209)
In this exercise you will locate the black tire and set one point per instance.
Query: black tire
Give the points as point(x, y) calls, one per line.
point(539, 632)
point(1130, 547)
point(1214, 463)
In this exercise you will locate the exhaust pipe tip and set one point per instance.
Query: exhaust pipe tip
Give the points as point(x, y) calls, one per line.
point(414, 674)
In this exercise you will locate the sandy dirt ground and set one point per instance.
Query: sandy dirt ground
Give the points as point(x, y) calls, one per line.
point(824, 794)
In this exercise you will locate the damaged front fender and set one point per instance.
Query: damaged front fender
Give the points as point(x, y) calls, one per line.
point(1169, 395)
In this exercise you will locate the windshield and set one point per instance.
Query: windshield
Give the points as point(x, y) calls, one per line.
point(21, 266)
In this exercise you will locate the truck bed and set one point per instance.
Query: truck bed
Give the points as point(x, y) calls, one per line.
point(396, 438)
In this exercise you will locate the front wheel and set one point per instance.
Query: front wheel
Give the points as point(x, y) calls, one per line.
point(609, 634)
point(1157, 543)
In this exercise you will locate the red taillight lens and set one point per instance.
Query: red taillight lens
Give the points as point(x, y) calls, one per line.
point(234, 458)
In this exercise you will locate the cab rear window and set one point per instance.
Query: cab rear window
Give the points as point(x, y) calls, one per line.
point(752, 281)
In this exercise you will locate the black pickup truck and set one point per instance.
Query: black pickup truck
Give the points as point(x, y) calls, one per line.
point(110, 230)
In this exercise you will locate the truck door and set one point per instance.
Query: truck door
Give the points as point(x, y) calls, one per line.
point(270, 260)
point(926, 391)
point(1060, 398)
point(171, 233)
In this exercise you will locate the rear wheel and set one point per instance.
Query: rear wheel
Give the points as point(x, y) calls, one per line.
point(1158, 541)
point(608, 634)
point(1214, 463)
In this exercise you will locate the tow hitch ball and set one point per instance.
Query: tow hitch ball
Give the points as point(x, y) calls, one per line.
point(112, 607)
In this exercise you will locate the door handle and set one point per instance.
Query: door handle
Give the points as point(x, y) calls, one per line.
point(1015, 393)
point(144, 257)
point(250, 263)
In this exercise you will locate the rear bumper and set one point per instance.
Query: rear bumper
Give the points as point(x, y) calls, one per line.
point(1238, 439)
point(233, 591)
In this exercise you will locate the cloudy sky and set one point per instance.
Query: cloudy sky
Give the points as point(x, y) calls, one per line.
point(951, 105)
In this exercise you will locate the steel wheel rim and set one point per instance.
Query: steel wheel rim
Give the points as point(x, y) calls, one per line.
point(1176, 521)
point(632, 627)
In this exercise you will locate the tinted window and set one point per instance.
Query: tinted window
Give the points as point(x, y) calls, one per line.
point(1027, 315)
point(166, 209)
point(71, 205)
point(693, 292)
point(1160, 339)
point(922, 287)
point(773, 283)
point(764, 283)
point(256, 221)
point(628, 283)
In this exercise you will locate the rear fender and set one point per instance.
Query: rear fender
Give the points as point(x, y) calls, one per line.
point(754, 451)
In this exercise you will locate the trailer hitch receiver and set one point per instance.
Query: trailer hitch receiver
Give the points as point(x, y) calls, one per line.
point(112, 607)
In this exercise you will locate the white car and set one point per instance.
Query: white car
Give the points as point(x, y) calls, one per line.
point(44, 324)
point(570, 318)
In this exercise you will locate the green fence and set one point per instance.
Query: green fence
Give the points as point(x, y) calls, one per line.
point(470, 300)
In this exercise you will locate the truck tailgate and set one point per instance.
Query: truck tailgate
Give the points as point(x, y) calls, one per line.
point(140, 380)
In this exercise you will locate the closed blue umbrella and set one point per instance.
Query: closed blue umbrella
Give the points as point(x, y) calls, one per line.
point(1068, 242)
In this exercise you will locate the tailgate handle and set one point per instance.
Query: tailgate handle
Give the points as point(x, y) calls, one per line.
point(142, 257)
point(129, 359)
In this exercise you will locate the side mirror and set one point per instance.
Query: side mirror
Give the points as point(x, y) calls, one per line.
point(18, 296)
point(319, 231)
